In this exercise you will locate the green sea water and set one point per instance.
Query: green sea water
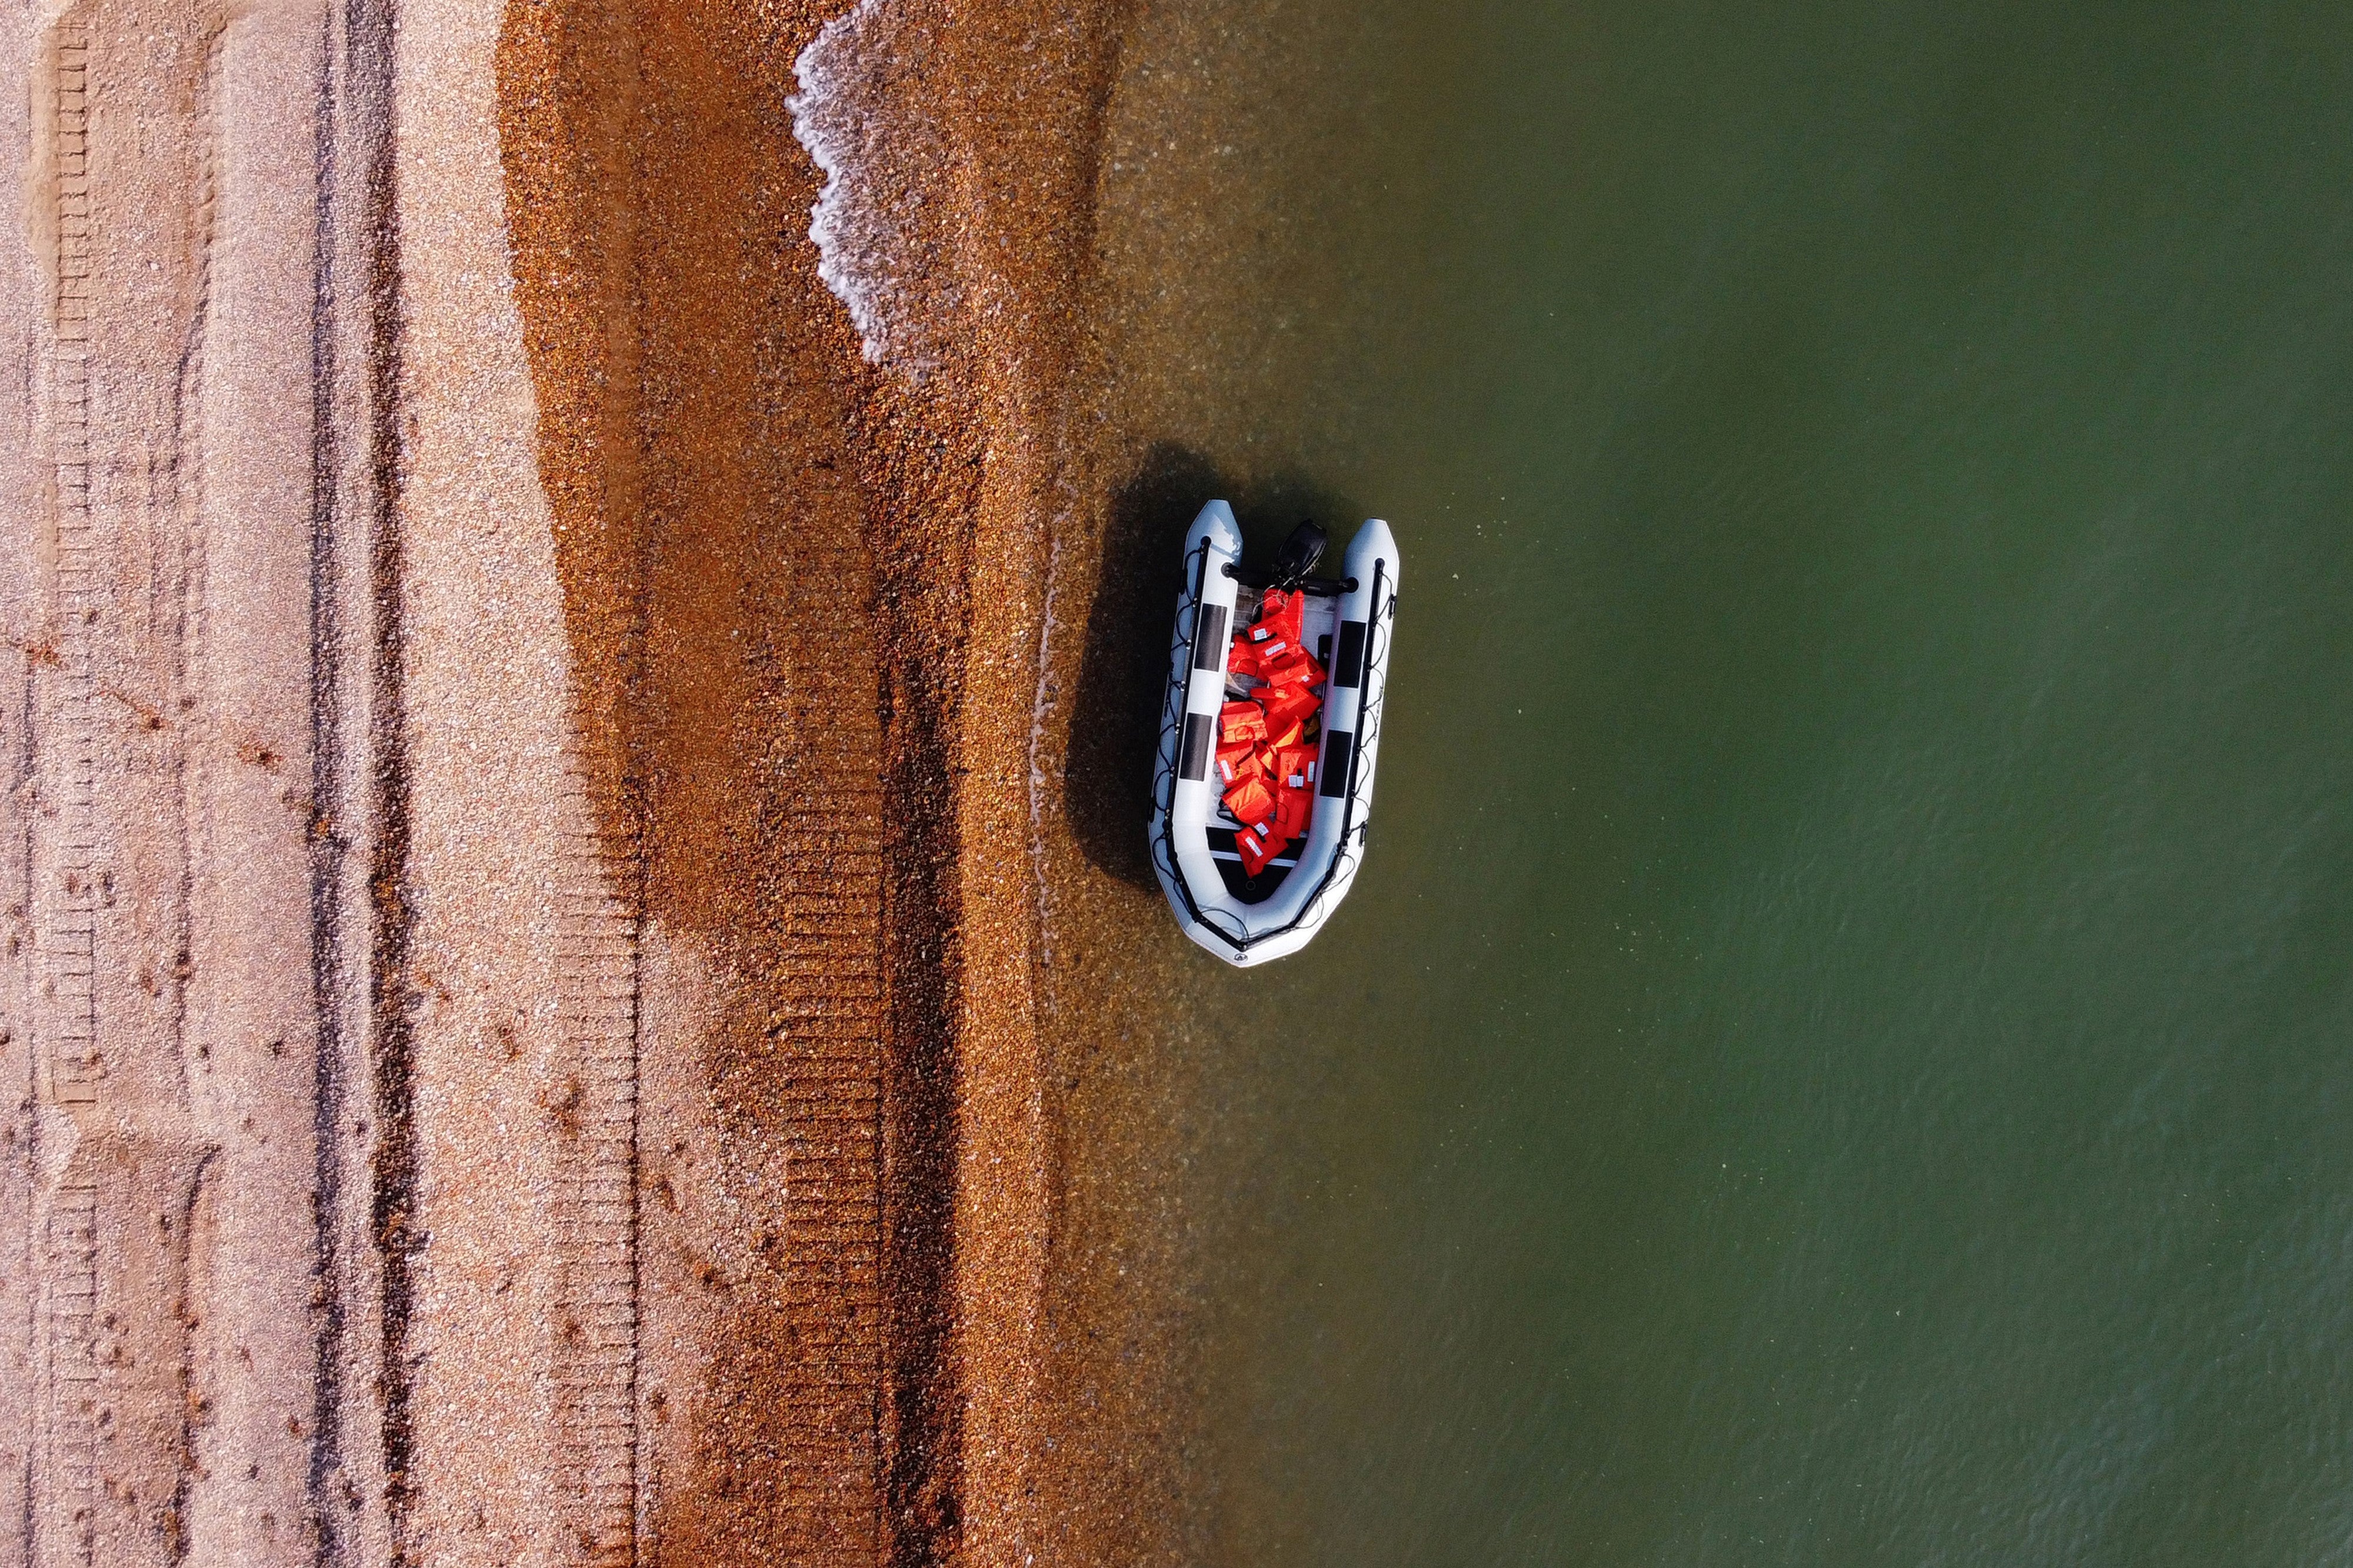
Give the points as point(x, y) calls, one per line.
point(1843, 1049)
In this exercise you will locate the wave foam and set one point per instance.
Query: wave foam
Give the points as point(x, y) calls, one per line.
point(882, 223)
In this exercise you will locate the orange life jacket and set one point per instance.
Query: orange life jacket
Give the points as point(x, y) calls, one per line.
point(1242, 721)
point(1286, 707)
point(1258, 844)
point(1251, 800)
point(1237, 762)
point(1280, 616)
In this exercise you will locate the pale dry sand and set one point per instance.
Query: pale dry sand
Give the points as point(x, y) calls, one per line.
point(184, 1268)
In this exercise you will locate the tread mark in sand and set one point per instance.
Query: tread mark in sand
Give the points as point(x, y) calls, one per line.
point(72, 1309)
point(598, 980)
point(67, 944)
point(830, 1019)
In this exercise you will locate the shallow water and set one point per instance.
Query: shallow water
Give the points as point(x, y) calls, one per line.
point(1839, 1053)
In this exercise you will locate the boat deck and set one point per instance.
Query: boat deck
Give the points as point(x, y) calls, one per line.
point(1319, 629)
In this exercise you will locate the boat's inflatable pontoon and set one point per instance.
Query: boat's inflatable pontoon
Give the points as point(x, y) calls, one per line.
point(1346, 624)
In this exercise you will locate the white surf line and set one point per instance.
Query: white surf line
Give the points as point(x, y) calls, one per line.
point(1047, 700)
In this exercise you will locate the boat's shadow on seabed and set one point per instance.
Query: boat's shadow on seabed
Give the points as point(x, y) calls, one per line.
point(1115, 709)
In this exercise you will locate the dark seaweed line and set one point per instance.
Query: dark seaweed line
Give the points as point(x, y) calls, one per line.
point(367, 39)
point(351, 171)
point(922, 958)
point(327, 841)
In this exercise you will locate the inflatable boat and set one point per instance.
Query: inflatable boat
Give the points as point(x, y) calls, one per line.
point(1269, 732)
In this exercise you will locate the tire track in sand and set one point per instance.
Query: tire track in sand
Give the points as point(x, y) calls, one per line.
point(108, 1434)
point(70, 930)
point(521, 879)
point(596, 1228)
point(184, 1164)
point(64, 1494)
point(719, 606)
point(828, 1020)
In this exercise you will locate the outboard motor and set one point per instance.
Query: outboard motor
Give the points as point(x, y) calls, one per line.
point(1300, 555)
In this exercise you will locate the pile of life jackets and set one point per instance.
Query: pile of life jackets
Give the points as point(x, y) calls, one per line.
point(1266, 740)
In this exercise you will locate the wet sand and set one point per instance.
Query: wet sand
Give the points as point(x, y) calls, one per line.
point(834, 577)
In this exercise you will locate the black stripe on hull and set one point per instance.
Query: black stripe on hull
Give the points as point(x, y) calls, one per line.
point(1339, 758)
point(1348, 669)
point(1200, 731)
point(1209, 638)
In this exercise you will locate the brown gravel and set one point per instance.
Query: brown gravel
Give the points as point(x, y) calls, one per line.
point(790, 578)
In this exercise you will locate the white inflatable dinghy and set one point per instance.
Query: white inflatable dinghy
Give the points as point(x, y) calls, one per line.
point(1265, 771)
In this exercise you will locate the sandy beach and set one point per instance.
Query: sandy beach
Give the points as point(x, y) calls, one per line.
point(525, 878)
